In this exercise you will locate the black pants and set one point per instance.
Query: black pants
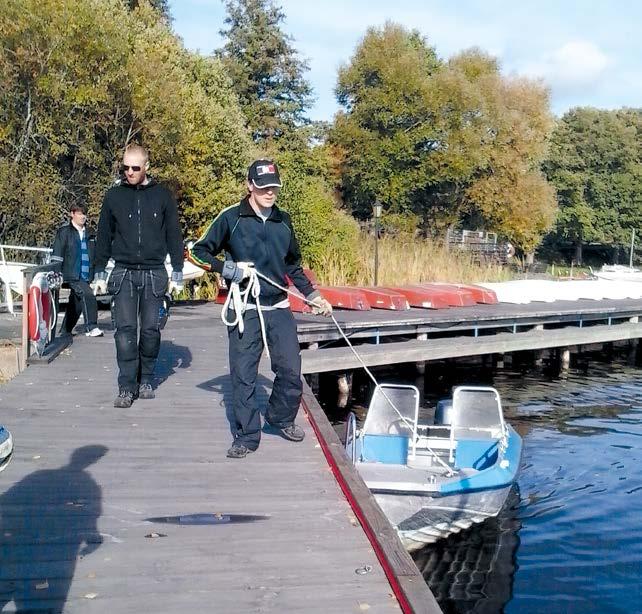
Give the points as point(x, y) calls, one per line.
point(81, 301)
point(137, 298)
point(245, 352)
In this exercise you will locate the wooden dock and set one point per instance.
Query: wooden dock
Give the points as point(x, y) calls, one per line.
point(76, 500)
point(419, 335)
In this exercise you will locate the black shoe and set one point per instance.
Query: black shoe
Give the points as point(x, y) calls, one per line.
point(145, 391)
point(124, 399)
point(238, 450)
point(291, 433)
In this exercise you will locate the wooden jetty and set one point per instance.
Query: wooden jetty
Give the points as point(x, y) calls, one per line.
point(419, 335)
point(278, 535)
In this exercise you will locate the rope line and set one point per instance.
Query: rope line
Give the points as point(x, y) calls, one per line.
point(238, 299)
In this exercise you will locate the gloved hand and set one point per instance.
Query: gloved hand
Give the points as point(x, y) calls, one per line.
point(236, 272)
point(176, 282)
point(99, 285)
point(321, 307)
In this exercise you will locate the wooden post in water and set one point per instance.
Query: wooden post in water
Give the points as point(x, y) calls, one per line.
point(344, 384)
point(314, 377)
point(421, 366)
point(565, 359)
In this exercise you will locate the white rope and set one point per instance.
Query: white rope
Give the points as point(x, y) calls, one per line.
point(240, 299)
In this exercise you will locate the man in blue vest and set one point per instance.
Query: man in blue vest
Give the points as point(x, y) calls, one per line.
point(75, 245)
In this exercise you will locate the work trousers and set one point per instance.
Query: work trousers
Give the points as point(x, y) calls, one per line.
point(244, 353)
point(137, 299)
point(81, 301)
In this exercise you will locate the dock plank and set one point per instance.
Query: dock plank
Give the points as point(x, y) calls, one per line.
point(166, 457)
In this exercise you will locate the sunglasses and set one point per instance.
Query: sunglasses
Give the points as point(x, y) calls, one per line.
point(124, 168)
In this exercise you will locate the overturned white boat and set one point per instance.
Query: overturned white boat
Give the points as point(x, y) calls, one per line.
point(619, 272)
point(432, 480)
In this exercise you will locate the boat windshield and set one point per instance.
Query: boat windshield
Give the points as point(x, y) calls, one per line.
point(477, 407)
point(384, 419)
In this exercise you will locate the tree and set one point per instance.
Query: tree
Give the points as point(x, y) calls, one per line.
point(445, 141)
point(265, 69)
point(162, 6)
point(81, 79)
point(595, 163)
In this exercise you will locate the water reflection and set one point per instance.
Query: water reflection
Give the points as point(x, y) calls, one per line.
point(473, 570)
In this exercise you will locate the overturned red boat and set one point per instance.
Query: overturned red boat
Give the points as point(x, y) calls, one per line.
point(426, 298)
point(385, 298)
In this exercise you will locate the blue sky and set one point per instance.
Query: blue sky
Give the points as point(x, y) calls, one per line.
point(584, 51)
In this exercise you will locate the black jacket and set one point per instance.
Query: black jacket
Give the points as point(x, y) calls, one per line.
point(138, 227)
point(67, 246)
point(270, 245)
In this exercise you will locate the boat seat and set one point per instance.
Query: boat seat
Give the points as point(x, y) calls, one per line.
point(388, 449)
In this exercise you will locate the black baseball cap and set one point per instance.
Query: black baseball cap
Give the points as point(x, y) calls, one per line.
point(264, 174)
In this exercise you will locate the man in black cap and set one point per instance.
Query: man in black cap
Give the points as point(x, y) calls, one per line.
point(256, 233)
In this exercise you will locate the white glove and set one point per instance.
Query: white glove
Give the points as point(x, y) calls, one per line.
point(245, 268)
point(99, 286)
point(175, 282)
point(321, 307)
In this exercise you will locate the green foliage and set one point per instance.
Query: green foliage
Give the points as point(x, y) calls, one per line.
point(595, 163)
point(322, 230)
point(265, 70)
point(79, 81)
point(447, 142)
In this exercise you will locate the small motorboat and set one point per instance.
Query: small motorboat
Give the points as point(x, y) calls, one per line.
point(435, 479)
point(6, 447)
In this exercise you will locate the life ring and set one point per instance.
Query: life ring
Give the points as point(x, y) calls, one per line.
point(39, 311)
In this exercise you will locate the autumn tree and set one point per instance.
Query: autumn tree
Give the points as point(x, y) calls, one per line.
point(446, 141)
point(81, 79)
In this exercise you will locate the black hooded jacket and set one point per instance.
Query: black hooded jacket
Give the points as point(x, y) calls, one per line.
point(270, 245)
point(138, 227)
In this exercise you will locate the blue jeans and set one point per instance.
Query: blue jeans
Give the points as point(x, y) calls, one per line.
point(137, 299)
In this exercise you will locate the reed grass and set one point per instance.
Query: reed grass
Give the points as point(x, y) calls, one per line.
point(403, 260)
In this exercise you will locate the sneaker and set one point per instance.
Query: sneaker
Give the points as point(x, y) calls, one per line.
point(124, 399)
point(94, 332)
point(291, 433)
point(145, 391)
point(238, 450)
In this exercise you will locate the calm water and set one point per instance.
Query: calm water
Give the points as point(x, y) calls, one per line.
point(570, 536)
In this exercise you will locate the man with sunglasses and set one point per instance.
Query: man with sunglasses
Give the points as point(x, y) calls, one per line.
point(255, 232)
point(138, 227)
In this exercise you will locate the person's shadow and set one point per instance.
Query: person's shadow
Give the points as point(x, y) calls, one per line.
point(223, 386)
point(171, 357)
point(47, 520)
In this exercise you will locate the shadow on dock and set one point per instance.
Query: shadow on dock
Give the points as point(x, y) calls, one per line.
point(47, 521)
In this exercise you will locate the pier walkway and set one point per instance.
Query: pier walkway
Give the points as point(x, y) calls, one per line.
point(75, 502)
